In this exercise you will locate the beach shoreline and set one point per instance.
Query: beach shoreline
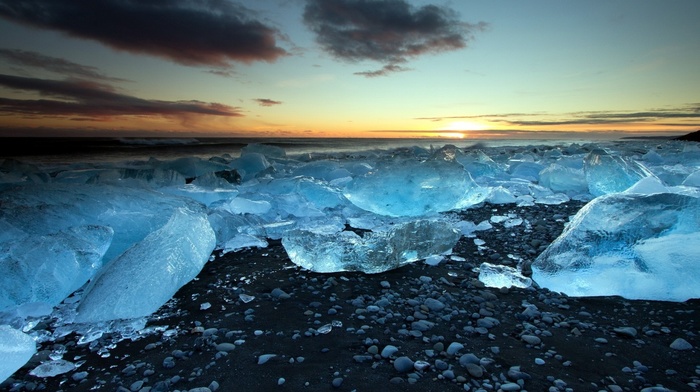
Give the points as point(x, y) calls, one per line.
point(465, 334)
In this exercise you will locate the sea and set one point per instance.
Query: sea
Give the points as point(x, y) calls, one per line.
point(95, 149)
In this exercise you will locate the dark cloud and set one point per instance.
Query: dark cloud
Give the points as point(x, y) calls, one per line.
point(87, 99)
point(190, 32)
point(388, 31)
point(689, 112)
point(386, 70)
point(267, 102)
point(57, 65)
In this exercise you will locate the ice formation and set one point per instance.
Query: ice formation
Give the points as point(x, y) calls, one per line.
point(639, 246)
point(412, 188)
point(149, 273)
point(498, 276)
point(48, 268)
point(16, 348)
point(372, 252)
point(62, 225)
point(609, 173)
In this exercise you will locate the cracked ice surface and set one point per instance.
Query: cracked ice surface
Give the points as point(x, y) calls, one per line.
point(129, 288)
point(372, 253)
point(16, 348)
point(639, 246)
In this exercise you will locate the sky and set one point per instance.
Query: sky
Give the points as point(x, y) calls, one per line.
point(348, 68)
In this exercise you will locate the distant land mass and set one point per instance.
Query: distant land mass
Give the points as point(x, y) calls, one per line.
point(693, 136)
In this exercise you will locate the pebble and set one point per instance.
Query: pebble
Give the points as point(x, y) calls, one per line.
point(474, 370)
point(337, 382)
point(279, 294)
point(389, 350)
point(454, 348)
point(265, 357)
point(531, 339)
point(511, 386)
point(629, 332)
point(681, 344)
point(225, 347)
point(403, 364)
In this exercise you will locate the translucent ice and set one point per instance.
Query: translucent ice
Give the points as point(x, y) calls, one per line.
point(564, 179)
point(52, 368)
point(16, 348)
point(131, 212)
point(373, 252)
point(49, 268)
point(639, 246)
point(412, 188)
point(609, 173)
point(498, 276)
point(148, 274)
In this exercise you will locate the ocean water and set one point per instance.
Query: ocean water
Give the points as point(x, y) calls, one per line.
point(91, 150)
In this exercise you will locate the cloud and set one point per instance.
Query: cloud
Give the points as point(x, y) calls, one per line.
point(267, 102)
point(387, 69)
point(388, 31)
point(74, 97)
point(57, 65)
point(687, 112)
point(190, 32)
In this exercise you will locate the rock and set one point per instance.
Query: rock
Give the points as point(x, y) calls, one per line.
point(628, 332)
point(389, 350)
point(474, 370)
point(531, 339)
point(403, 364)
point(454, 348)
point(681, 344)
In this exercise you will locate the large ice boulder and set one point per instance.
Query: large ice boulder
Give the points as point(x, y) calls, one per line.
point(132, 212)
point(373, 252)
point(609, 173)
point(149, 273)
point(639, 246)
point(48, 268)
point(408, 187)
point(16, 348)
point(559, 178)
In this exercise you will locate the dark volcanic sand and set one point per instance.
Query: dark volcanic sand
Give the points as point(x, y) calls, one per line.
point(568, 328)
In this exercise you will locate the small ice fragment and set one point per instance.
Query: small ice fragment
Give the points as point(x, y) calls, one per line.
point(52, 368)
point(433, 260)
point(205, 306)
point(245, 297)
point(337, 323)
point(324, 329)
point(16, 348)
point(498, 276)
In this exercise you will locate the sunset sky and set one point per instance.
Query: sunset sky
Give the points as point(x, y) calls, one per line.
point(357, 68)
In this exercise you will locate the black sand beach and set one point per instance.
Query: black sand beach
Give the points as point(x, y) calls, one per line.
point(470, 337)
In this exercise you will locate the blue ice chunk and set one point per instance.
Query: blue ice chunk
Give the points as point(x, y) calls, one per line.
point(526, 170)
point(149, 273)
point(608, 173)
point(131, 212)
point(374, 252)
point(16, 348)
point(407, 187)
point(564, 179)
point(639, 246)
point(50, 267)
point(250, 165)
